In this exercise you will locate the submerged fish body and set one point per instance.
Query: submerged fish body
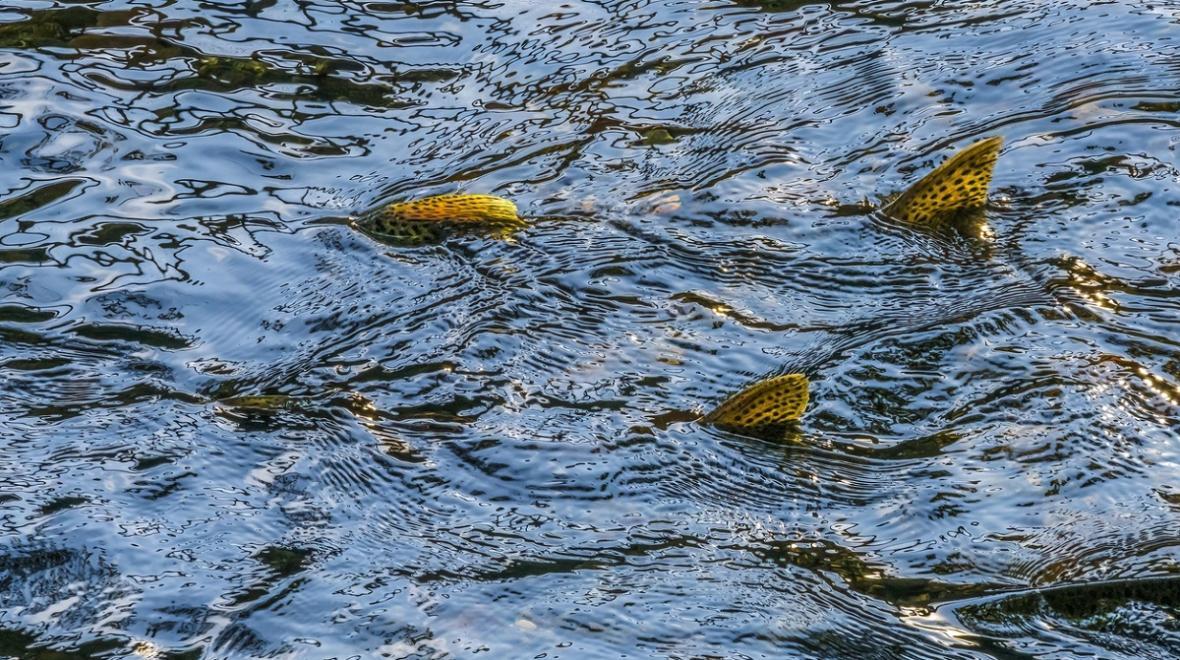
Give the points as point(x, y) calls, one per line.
point(951, 192)
point(433, 218)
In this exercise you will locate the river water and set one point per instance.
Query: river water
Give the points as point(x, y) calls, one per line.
point(234, 427)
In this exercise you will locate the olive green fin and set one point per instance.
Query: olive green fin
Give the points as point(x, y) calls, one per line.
point(958, 185)
point(405, 234)
point(768, 402)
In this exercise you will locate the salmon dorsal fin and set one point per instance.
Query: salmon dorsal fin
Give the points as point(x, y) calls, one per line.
point(766, 403)
point(958, 185)
point(454, 208)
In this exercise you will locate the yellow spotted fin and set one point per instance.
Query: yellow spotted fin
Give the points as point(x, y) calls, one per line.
point(957, 186)
point(455, 208)
point(429, 217)
point(768, 402)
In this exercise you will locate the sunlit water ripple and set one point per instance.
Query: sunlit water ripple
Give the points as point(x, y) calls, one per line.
point(482, 446)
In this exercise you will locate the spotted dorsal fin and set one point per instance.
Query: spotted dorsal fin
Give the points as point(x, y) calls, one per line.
point(454, 208)
point(958, 185)
point(766, 403)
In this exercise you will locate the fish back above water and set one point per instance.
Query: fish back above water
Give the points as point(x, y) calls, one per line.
point(431, 217)
point(454, 208)
point(769, 402)
point(957, 186)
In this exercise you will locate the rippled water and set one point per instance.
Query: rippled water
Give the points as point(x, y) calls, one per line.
point(233, 428)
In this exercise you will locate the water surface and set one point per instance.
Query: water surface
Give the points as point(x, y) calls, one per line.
point(231, 428)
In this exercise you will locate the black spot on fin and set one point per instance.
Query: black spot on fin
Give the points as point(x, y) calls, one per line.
point(768, 402)
point(957, 186)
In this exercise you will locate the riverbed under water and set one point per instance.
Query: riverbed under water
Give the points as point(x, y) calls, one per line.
point(232, 427)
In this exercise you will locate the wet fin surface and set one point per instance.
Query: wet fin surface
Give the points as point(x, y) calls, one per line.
point(454, 208)
point(953, 188)
point(430, 219)
point(768, 402)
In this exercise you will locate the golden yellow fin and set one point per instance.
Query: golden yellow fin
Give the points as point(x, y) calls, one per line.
point(765, 403)
point(960, 184)
point(454, 208)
